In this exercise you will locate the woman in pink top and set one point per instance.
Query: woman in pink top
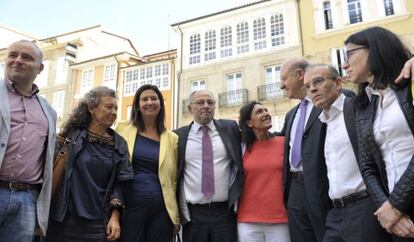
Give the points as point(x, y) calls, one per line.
point(261, 215)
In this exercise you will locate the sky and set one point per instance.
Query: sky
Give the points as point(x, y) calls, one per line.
point(146, 23)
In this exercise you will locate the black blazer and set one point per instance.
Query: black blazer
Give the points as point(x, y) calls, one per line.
point(230, 134)
point(313, 162)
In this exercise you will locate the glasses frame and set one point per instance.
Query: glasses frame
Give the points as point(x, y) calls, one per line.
point(210, 102)
point(348, 53)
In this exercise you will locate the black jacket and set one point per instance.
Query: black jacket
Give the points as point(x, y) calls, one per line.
point(371, 160)
point(122, 172)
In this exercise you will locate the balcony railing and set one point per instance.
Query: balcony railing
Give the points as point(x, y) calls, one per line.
point(270, 91)
point(233, 98)
point(184, 107)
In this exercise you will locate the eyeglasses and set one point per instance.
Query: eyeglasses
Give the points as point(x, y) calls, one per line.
point(316, 82)
point(201, 102)
point(348, 53)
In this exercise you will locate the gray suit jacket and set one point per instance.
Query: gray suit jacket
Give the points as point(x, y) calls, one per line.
point(43, 201)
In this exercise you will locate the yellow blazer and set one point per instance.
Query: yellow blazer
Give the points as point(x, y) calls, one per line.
point(168, 162)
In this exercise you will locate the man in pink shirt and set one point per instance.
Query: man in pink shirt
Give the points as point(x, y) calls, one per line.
point(27, 143)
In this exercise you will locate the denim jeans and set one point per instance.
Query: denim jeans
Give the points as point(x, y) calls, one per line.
point(17, 215)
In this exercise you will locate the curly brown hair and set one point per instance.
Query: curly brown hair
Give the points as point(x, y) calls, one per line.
point(80, 116)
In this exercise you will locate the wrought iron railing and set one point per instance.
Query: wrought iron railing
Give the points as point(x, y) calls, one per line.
point(233, 98)
point(270, 91)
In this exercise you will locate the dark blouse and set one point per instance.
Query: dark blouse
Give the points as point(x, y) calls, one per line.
point(91, 172)
point(145, 161)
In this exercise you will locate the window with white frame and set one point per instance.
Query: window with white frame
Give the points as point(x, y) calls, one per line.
point(389, 7)
point(210, 45)
point(87, 80)
point(259, 33)
point(41, 79)
point(157, 75)
point(165, 76)
point(195, 49)
point(2, 67)
point(148, 76)
point(61, 70)
point(226, 42)
point(277, 30)
point(131, 81)
point(129, 109)
point(337, 60)
point(354, 11)
point(277, 123)
point(234, 89)
point(242, 37)
point(327, 14)
point(109, 79)
point(59, 102)
point(198, 85)
point(272, 75)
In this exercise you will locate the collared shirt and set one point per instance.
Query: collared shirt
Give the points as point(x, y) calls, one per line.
point(309, 107)
point(193, 166)
point(392, 134)
point(24, 156)
point(343, 172)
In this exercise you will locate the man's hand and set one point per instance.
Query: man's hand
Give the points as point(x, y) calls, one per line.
point(406, 72)
point(387, 215)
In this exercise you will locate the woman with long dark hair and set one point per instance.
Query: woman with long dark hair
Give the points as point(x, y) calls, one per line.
point(261, 214)
point(385, 124)
point(151, 205)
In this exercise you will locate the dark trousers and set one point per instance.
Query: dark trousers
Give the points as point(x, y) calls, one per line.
point(210, 223)
point(146, 220)
point(355, 223)
point(303, 226)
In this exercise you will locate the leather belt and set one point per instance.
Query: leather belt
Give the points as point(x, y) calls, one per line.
point(209, 205)
point(350, 199)
point(297, 175)
point(20, 186)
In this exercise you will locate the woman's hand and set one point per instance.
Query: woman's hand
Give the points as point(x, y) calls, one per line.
point(387, 215)
point(113, 229)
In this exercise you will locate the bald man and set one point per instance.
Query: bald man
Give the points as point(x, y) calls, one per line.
point(27, 143)
point(305, 177)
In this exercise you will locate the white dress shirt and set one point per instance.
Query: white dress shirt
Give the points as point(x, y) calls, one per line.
point(193, 166)
point(309, 107)
point(343, 172)
point(392, 134)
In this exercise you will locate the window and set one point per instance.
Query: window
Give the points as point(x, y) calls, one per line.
point(226, 41)
point(165, 76)
point(41, 79)
point(337, 60)
point(234, 89)
point(277, 30)
point(277, 123)
point(61, 70)
point(354, 11)
point(259, 33)
point(210, 45)
point(157, 75)
point(242, 37)
point(389, 7)
point(129, 108)
point(58, 102)
point(327, 15)
point(273, 82)
point(195, 49)
point(109, 76)
point(2, 67)
point(198, 85)
point(131, 81)
point(87, 80)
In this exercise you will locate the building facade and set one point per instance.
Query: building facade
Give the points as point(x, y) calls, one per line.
point(326, 24)
point(236, 54)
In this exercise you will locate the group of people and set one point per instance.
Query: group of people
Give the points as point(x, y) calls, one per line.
point(340, 169)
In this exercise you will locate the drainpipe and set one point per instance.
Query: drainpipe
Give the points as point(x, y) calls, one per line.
point(300, 28)
point(177, 82)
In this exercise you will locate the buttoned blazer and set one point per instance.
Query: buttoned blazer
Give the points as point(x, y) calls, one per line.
point(230, 134)
point(314, 167)
point(43, 200)
point(167, 169)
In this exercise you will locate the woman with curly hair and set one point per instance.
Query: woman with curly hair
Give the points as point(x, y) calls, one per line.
point(88, 202)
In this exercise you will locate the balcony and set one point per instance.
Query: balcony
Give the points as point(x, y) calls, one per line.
point(233, 98)
point(270, 91)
